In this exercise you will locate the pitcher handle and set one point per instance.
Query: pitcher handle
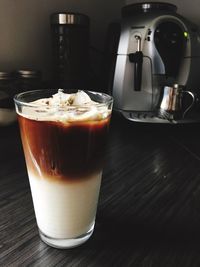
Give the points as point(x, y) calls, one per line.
point(192, 104)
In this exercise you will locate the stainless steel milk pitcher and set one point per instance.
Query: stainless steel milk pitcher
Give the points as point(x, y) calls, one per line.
point(171, 105)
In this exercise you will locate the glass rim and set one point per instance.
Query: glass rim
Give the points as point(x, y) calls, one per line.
point(108, 98)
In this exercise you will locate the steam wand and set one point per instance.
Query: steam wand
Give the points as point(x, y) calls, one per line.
point(137, 59)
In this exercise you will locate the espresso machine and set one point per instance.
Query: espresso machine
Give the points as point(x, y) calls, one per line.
point(157, 48)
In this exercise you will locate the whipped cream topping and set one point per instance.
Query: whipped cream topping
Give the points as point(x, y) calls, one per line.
point(65, 108)
point(62, 99)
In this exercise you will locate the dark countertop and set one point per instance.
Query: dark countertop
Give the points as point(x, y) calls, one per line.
point(149, 207)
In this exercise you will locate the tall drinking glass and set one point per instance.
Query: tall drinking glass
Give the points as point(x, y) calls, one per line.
point(64, 147)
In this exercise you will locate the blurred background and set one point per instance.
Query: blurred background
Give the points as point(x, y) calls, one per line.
point(25, 28)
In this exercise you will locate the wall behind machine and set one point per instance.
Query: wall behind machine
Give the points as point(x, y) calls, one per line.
point(25, 29)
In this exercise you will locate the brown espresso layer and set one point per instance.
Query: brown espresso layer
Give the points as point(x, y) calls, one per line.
point(64, 151)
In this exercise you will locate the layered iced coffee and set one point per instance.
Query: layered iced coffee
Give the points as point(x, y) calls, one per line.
point(64, 138)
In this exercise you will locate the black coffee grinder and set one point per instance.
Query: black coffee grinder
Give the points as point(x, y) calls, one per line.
point(70, 49)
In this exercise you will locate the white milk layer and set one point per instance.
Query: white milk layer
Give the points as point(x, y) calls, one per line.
point(66, 209)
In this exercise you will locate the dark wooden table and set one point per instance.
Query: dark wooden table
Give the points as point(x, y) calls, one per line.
point(149, 208)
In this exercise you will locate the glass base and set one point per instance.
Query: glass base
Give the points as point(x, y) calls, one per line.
point(64, 243)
